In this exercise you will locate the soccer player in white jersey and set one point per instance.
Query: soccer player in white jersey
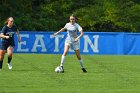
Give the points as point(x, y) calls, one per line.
point(72, 40)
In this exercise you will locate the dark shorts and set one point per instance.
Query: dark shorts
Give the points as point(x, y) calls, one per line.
point(4, 46)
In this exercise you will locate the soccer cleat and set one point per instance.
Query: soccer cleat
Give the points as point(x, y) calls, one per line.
point(84, 70)
point(62, 69)
point(9, 65)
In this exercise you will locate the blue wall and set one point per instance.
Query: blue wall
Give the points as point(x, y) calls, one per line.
point(90, 43)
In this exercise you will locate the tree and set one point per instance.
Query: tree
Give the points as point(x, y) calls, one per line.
point(93, 15)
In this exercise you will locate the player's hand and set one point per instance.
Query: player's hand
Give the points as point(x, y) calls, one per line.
point(6, 37)
point(76, 39)
point(55, 34)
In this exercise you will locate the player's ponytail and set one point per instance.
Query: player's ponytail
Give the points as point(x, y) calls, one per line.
point(6, 21)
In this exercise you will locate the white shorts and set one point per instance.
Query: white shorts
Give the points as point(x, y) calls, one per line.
point(73, 45)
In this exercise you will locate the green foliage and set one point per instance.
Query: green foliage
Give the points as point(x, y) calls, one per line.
point(93, 15)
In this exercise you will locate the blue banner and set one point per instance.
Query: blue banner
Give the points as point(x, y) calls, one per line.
point(90, 43)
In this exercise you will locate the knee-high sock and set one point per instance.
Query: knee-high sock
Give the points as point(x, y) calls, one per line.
point(81, 63)
point(62, 60)
point(1, 62)
point(9, 59)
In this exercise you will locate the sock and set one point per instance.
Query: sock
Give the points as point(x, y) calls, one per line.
point(1, 62)
point(62, 60)
point(81, 63)
point(9, 59)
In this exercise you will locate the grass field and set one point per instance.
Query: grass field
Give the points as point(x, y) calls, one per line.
point(34, 73)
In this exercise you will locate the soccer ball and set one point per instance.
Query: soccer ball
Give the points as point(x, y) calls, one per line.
point(58, 69)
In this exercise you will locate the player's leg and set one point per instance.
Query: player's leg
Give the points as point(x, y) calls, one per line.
point(66, 49)
point(10, 50)
point(77, 52)
point(2, 53)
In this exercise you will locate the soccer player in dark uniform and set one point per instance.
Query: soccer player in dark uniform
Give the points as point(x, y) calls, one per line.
point(7, 41)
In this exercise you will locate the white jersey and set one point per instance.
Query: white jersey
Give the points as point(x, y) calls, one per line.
point(72, 33)
point(72, 30)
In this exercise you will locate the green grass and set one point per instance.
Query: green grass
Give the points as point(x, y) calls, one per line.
point(34, 73)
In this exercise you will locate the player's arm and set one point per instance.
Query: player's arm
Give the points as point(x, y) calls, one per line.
point(3, 36)
point(61, 30)
point(18, 35)
point(81, 34)
point(2, 33)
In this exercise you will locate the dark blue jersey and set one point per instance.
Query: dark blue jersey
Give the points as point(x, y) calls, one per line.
point(9, 32)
